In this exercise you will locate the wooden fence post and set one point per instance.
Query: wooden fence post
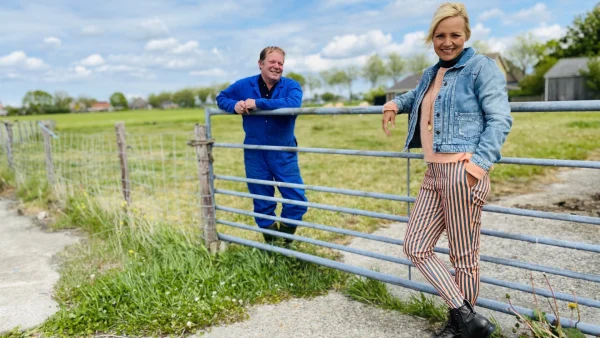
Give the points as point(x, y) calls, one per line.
point(9, 144)
point(48, 151)
point(203, 154)
point(122, 146)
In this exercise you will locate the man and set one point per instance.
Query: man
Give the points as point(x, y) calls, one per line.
point(269, 90)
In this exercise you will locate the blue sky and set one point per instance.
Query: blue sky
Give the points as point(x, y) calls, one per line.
point(138, 47)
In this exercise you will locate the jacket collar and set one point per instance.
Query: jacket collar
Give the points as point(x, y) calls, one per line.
point(467, 55)
point(254, 84)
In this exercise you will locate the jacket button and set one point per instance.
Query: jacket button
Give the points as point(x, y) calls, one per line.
point(439, 96)
point(437, 132)
point(437, 115)
point(445, 83)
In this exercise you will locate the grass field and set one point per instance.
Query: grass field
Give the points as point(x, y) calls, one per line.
point(183, 285)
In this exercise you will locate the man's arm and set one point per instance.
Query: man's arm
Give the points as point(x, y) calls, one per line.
point(293, 99)
point(226, 99)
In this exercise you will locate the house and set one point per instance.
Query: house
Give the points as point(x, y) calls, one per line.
point(169, 105)
point(3, 112)
point(512, 73)
point(563, 82)
point(100, 106)
point(138, 103)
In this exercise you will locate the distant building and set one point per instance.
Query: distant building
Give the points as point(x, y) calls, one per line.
point(100, 106)
point(169, 105)
point(512, 73)
point(564, 81)
point(3, 112)
point(138, 103)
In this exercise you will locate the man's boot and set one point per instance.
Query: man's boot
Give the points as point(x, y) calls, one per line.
point(270, 239)
point(471, 324)
point(451, 328)
point(288, 229)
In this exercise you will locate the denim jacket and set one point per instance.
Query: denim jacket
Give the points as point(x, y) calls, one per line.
point(472, 113)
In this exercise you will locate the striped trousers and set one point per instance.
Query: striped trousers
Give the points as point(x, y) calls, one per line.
point(446, 202)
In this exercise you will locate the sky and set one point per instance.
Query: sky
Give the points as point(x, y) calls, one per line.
point(95, 48)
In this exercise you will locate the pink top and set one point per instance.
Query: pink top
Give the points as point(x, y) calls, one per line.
point(427, 116)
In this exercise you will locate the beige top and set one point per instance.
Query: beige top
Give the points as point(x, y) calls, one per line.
point(427, 118)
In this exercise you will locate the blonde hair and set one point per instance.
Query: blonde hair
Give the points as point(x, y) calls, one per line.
point(448, 10)
point(269, 50)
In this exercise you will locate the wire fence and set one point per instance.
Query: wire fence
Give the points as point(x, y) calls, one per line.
point(174, 178)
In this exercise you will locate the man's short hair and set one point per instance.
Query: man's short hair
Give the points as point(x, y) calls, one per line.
point(268, 50)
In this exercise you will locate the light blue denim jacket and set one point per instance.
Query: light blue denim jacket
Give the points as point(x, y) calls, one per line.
point(471, 111)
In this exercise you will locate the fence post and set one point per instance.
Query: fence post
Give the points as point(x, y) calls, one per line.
point(203, 153)
point(48, 151)
point(122, 146)
point(9, 144)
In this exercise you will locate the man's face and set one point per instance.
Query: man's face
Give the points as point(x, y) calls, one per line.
point(271, 67)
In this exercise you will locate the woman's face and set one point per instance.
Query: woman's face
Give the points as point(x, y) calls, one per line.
point(449, 38)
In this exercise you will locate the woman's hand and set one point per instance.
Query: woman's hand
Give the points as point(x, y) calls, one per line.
point(471, 180)
point(390, 111)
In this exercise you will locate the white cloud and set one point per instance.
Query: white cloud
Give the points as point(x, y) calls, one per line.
point(61, 75)
point(187, 47)
point(172, 45)
point(91, 30)
point(209, 72)
point(412, 43)
point(491, 13)
point(82, 71)
point(153, 28)
point(352, 45)
point(544, 33)
point(538, 13)
point(21, 60)
point(479, 31)
point(317, 63)
point(52, 42)
point(161, 44)
point(92, 60)
point(328, 4)
point(151, 60)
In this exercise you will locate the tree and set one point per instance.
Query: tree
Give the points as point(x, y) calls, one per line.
point(373, 93)
point(298, 78)
point(525, 52)
point(350, 75)
point(534, 83)
point(203, 93)
point(86, 101)
point(217, 89)
point(417, 63)
point(582, 38)
point(37, 102)
point(374, 69)
point(395, 66)
point(313, 83)
point(329, 97)
point(118, 101)
point(592, 76)
point(62, 100)
point(185, 98)
point(481, 47)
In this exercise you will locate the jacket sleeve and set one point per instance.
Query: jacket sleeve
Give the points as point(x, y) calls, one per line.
point(490, 86)
point(405, 101)
point(292, 100)
point(226, 99)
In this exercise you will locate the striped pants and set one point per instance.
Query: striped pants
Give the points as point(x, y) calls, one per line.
point(446, 202)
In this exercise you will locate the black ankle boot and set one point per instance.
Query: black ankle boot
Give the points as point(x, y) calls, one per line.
point(269, 238)
point(451, 328)
point(288, 229)
point(471, 324)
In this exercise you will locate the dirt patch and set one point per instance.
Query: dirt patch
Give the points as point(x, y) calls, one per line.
point(588, 206)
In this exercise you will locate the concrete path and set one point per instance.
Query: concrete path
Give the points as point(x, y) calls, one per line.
point(27, 270)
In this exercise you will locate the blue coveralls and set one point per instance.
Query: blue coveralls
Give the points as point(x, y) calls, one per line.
point(269, 165)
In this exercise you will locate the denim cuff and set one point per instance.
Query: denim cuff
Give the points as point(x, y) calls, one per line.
point(481, 162)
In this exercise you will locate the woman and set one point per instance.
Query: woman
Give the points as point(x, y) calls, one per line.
point(460, 116)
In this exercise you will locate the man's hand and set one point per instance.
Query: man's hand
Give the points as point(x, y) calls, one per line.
point(250, 104)
point(240, 107)
point(389, 115)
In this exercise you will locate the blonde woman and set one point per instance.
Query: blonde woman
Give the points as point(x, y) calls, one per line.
point(460, 117)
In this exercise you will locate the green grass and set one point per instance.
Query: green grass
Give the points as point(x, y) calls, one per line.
point(128, 294)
